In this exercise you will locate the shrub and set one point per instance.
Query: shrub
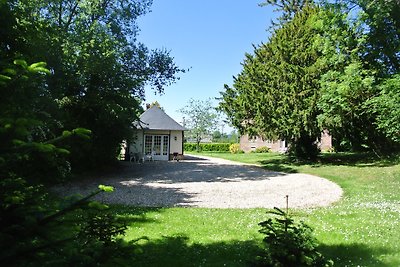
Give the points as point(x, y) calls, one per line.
point(289, 243)
point(262, 149)
point(215, 147)
point(38, 230)
point(235, 149)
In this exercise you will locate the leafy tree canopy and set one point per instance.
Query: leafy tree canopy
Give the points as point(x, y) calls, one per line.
point(329, 67)
point(98, 68)
point(201, 118)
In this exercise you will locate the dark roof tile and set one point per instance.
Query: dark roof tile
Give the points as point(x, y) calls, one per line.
point(156, 119)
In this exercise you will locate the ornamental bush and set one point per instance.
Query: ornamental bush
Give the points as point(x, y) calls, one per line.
point(215, 147)
point(289, 243)
point(235, 149)
point(262, 149)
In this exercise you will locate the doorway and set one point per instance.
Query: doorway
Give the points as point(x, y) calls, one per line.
point(157, 146)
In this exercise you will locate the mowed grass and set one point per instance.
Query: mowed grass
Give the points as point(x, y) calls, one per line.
point(363, 229)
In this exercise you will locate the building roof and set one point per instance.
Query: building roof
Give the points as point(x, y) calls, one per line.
point(155, 118)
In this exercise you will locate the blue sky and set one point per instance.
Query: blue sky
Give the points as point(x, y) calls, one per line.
point(210, 37)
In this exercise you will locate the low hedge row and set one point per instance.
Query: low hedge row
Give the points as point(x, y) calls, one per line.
point(220, 147)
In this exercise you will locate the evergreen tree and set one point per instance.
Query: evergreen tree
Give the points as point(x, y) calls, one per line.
point(287, 9)
point(277, 92)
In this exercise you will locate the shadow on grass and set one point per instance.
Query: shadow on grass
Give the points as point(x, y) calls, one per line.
point(134, 215)
point(279, 165)
point(178, 251)
point(288, 165)
point(357, 159)
point(355, 254)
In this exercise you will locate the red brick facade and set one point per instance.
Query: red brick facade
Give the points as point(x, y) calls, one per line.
point(249, 144)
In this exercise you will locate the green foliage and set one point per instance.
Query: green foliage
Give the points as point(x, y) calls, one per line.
point(106, 188)
point(329, 67)
point(98, 69)
point(287, 9)
point(356, 76)
point(235, 149)
point(25, 130)
point(386, 107)
point(221, 147)
point(304, 148)
point(37, 230)
point(262, 149)
point(382, 20)
point(347, 230)
point(289, 243)
point(201, 119)
point(104, 227)
point(218, 137)
point(279, 101)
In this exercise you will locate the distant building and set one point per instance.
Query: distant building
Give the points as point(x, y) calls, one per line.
point(248, 143)
point(158, 136)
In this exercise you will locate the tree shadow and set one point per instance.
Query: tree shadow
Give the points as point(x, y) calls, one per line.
point(356, 159)
point(193, 171)
point(171, 184)
point(134, 214)
point(356, 254)
point(179, 251)
point(287, 165)
point(279, 165)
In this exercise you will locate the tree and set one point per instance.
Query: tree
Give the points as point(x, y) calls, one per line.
point(287, 9)
point(334, 67)
point(277, 92)
point(381, 21)
point(357, 77)
point(99, 70)
point(386, 107)
point(36, 228)
point(201, 118)
point(217, 136)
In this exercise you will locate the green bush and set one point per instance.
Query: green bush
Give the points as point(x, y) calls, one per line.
point(38, 230)
point(235, 149)
point(215, 147)
point(289, 243)
point(262, 149)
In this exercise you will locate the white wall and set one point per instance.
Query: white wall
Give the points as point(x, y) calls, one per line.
point(176, 145)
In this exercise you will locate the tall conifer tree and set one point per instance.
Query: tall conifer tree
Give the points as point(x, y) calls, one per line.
point(276, 93)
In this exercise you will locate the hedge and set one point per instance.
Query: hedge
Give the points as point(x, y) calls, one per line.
point(219, 147)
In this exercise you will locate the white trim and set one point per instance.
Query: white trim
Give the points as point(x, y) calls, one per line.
point(156, 146)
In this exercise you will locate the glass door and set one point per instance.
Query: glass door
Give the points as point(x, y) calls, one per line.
point(157, 146)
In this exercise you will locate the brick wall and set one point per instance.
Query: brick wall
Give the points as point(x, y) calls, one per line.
point(248, 144)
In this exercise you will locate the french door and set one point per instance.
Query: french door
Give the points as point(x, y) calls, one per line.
point(157, 146)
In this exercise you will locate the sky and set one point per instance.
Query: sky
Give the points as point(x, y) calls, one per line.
point(209, 37)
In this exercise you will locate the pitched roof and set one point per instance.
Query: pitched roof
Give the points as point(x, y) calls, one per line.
point(155, 118)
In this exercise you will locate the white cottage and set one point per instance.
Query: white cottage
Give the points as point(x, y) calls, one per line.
point(158, 136)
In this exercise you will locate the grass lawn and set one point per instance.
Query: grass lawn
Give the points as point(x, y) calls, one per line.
point(363, 229)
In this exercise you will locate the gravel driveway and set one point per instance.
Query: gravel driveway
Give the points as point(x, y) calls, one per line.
point(208, 182)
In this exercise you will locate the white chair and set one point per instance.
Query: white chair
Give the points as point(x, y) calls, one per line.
point(149, 157)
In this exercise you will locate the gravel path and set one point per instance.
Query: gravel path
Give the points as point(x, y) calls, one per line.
point(208, 182)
